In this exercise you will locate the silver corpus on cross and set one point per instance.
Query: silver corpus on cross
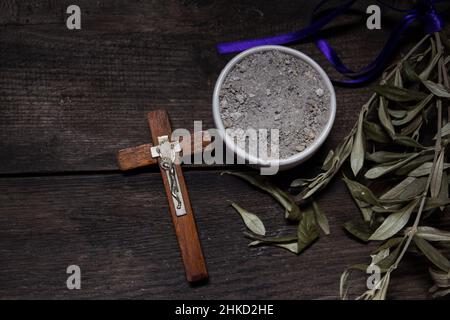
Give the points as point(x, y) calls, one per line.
point(168, 152)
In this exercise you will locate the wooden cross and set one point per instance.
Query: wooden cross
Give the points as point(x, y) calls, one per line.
point(166, 154)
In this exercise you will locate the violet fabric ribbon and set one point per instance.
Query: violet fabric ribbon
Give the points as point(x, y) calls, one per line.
point(424, 12)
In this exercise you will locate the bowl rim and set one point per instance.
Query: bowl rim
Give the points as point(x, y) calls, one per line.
point(298, 157)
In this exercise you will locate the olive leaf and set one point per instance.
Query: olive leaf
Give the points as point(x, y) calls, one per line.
point(251, 220)
point(392, 242)
point(292, 211)
point(321, 218)
point(434, 203)
point(394, 222)
point(291, 246)
point(425, 169)
point(384, 118)
point(406, 189)
point(411, 114)
point(436, 176)
point(425, 74)
point(432, 234)
point(328, 161)
point(297, 183)
point(390, 259)
point(358, 150)
point(321, 181)
point(398, 80)
point(413, 126)
point(375, 132)
point(307, 230)
point(413, 164)
point(361, 192)
point(410, 73)
point(381, 170)
point(435, 257)
point(269, 240)
point(387, 156)
point(398, 114)
point(445, 130)
point(406, 141)
point(398, 94)
point(360, 229)
point(437, 89)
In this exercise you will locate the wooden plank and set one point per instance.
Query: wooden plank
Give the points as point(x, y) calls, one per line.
point(116, 228)
point(70, 100)
point(185, 227)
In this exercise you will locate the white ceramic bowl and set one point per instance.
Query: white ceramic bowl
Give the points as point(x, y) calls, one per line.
point(295, 159)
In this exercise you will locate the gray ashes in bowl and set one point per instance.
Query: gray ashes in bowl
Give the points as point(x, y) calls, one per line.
point(275, 90)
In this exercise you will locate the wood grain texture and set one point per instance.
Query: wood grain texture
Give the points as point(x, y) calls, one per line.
point(117, 229)
point(70, 99)
point(185, 227)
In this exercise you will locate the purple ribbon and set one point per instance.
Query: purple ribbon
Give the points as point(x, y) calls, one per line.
point(424, 12)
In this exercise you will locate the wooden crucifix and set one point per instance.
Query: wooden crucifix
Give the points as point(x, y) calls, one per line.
point(166, 154)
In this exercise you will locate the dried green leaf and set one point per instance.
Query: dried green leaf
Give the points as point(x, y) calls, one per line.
point(410, 73)
point(321, 218)
point(361, 192)
point(398, 80)
point(358, 150)
point(425, 74)
point(292, 211)
point(407, 189)
point(307, 231)
point(435, 257)
point(394, 222)
point(360, 229)
point(445, 131)
point(437, 89)
point(298, 183)
point(443, 194)
point(328, 161)
point(375, 132)
point(432, 234)
point(413, 126)
point(381, 170)
point(251, 220)
point(434, 203)
point(384, 118)
point(404, 170)
point(436, 176)
point(398, 114)
point(386, 156)
point(415, 110)
point(425, 169)
point(399, 94)
point(392, 242)
point(406, 141)
point(342, 153)
point(269, 240)
point(292, 246)
point(388, 261)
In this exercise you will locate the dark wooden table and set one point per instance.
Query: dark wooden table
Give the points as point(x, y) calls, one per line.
point(70, 99)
